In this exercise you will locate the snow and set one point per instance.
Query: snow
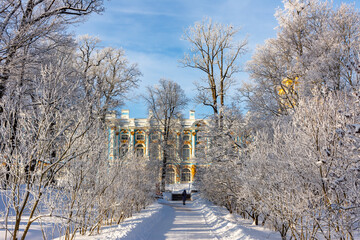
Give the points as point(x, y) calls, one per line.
point(47, 227)
point(199, 219)
point(179, 187)
point(50, 227)
point(164, 219)
point(232, 226)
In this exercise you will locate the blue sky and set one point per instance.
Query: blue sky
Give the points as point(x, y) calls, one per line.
point(150, 32)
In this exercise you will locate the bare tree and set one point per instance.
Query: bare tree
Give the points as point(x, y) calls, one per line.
point(214, 52)
point(25, 23)
point(106, 72)
point(166, 101)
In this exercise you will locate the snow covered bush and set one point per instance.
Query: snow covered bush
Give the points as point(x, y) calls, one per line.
point(222, 160)
point(326, 127)
point(305, 170)
point(96, 193)
point(299, 175)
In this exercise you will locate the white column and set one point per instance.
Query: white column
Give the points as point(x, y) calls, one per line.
point(147, 143)
point(192, 145)
point(132, 139)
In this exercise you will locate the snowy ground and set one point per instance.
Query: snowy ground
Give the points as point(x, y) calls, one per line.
point(196, 220)
point(47, 228)
point(42, 229)
point(179, 187)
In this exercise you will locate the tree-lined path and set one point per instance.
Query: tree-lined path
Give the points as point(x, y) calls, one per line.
point(176, 221)
point(198, 219)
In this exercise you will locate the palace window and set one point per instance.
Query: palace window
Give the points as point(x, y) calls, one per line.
point(186, 152)
point(170, 176)
point(124, 137)
point(186, 175)
point(140, 150)
point(140, 137)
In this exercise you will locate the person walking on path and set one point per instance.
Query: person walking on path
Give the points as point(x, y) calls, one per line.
point(184, 195)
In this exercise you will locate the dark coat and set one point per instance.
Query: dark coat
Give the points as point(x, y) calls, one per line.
point(184, 194)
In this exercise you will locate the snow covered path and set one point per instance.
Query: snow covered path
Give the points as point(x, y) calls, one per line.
point(198, 219)
point(181, 222)
point(164, 220)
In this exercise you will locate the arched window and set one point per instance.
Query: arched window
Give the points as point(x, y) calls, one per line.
point(140, 150)
point(123, 150)
point(186, 152)
point(170, 176)
point(186, 175)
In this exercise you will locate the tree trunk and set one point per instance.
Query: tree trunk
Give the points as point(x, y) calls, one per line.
point(163, 171)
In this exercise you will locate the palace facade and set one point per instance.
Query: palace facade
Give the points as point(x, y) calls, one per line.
point(143, 137)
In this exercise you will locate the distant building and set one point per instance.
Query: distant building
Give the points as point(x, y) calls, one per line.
point(142, 136)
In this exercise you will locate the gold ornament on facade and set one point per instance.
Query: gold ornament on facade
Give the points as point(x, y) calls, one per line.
point(140, 141)
point(287, 90)
point(132, 133)
point(193, 170)
point(194, 133)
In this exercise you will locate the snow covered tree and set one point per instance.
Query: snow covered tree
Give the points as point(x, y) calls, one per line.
point(215, 52)
point(106, 72)
point(52, 127)
point(330, 128)
point(24, 24)
point(303, 170)
point(222, 159)
point(166, 101)
point(315, 47)
point(95, 193)
point(46, 126)
point(299, 174)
